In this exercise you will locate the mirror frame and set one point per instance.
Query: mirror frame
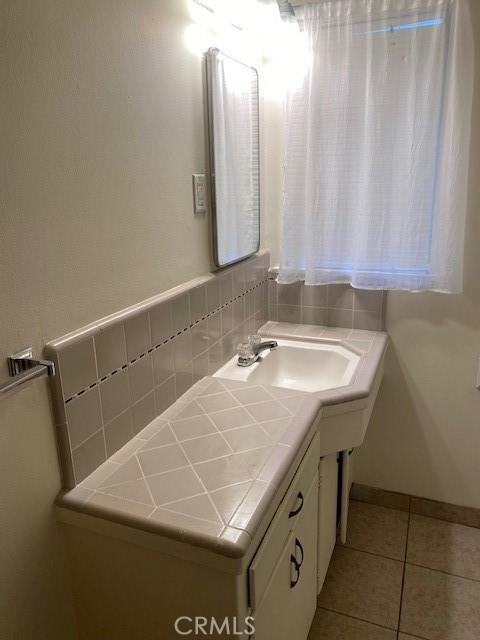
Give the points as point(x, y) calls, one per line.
point(211, 155)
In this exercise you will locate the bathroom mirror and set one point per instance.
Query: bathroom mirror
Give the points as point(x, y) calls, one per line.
point(233, 113)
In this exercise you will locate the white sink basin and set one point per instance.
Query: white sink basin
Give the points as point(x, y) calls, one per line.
point(303, 366)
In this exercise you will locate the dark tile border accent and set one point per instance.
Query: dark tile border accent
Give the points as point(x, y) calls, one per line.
point(191, 325)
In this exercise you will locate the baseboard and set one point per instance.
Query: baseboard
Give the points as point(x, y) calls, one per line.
point(468, 516)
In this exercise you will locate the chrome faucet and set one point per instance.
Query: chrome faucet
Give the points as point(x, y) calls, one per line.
point(249, 352)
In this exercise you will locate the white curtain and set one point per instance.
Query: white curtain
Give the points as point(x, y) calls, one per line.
point(377, 146)
point(236, 148)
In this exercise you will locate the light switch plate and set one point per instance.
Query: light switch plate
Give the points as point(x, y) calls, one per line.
point(199, 195)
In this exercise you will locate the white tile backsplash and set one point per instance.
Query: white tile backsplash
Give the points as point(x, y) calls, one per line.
point(116, 375)
point(334, 305)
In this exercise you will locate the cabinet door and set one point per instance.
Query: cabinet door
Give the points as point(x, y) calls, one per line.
point(288, 513)
point(327, 514)
point(288, 604)
point(347, 478)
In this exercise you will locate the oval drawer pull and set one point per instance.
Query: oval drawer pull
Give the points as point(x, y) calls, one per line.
point(296, 511)
point(296, 563)
point(298, 545)
point(296, 566)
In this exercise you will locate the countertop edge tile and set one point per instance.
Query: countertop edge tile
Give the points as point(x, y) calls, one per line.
point(222, 545)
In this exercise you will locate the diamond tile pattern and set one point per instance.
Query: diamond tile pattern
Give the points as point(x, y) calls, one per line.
point(198, 507)
point(162, 459)
point(206, 463)
point(163, 437)
point(231, 418)
point(246, 438)
point(137, 491)
point(206, 448)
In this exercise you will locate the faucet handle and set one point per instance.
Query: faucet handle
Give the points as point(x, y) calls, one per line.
point(254, 339)
point(244, 349)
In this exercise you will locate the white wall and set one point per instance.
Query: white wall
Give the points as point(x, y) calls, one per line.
point(272, 128)
point(101, 123)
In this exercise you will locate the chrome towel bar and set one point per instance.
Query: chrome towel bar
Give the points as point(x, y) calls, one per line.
point(23, 367)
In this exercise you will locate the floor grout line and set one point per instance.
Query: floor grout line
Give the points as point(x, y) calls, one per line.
point(405, 560)
point(418, 512)
point(374, 504)
point(348, 615)
point(415, 637)
point(408, 540)
point(460, 524)
point(415, 513)
point(403, 573)
point(370, 553)
point(445, 573)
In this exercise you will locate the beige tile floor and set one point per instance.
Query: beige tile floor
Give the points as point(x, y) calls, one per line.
point(401, 576)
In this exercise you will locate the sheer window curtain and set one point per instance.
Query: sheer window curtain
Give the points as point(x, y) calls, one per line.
point(377, 146)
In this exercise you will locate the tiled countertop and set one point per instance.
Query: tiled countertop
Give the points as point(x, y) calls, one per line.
point(208, 468)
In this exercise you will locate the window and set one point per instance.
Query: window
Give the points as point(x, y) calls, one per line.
point(377, 146)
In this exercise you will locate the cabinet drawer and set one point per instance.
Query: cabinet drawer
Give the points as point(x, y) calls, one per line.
point(286, 517)
point(289, 602)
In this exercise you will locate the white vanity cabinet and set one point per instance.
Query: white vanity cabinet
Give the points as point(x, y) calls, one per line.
point(287, 607)
point(282, 575)
point(140, 568)
point(327, 514)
